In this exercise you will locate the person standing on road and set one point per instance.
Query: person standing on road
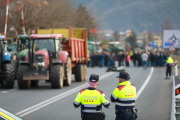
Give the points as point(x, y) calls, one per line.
point(111, 62)
point(156, 59)
point(134, 58)
point(139, 59)
point(128, 59)
point(164, 59)
point(152, 59)
point(91, 101)
point(124, 95)
point(119, 58)
point(169, 64)
point(144, 57)
point(101, 58)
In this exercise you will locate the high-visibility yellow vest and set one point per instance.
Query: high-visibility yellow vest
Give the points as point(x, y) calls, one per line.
point(170, 60)
point(91, 100)
point(131, 53)
point(124, 95)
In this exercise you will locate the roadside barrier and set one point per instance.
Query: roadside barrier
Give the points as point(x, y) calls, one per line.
point(175, 110)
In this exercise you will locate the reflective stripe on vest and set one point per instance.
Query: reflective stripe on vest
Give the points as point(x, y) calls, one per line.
point(129, 104)
point(91, 108)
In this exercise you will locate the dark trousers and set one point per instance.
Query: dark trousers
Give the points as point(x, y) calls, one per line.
point(125, 116)
point(139, 63)
point(134, 62)
point(127, 63)
point(168, 71)
point(119, 63)
point(90, 116)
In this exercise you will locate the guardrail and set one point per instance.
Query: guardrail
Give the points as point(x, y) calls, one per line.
point(175, 110)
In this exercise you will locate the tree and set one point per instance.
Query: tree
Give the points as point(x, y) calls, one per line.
point(84, 19)
point(53, 14)
point(49, 14)
point(166, 25)
point(132, 40)
point(116, 36)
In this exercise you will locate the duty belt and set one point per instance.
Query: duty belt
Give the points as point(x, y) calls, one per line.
point(90, 115)
point(124, 110)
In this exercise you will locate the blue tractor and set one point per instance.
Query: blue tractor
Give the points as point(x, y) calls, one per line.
point(7, 69)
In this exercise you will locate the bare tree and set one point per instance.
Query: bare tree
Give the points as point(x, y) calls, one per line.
point(52, 14)
point(166, 25)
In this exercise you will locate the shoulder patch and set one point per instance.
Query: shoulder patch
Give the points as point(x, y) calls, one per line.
point(101, 92)
point(83, 90)
point(121, 87)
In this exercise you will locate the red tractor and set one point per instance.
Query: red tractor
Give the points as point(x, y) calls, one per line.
point(45, 60)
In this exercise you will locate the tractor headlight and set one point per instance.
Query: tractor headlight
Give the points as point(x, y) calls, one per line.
point(41, 64)
point(5, 53)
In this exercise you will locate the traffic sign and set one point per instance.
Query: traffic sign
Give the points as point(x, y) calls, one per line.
point(172, 48)
point(171, 37)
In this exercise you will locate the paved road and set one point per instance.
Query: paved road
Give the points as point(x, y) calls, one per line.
point(43, 103)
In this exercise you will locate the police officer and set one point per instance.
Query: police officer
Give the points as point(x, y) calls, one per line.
point(169, 64)
point(124, 95)
point(91, 101)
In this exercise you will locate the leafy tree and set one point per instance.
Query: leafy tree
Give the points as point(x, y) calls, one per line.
point(84, 19)
point(132, 40)
point(116, 35)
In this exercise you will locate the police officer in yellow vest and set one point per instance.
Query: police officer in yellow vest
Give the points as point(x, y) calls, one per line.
point(169, 64)
point(91, 101)
point(124, 95)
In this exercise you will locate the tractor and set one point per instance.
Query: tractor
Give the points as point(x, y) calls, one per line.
point(7, 69)
point(44, 60)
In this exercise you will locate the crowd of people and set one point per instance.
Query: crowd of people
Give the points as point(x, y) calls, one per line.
point(145, 59)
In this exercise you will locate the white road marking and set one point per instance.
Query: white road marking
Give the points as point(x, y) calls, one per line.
point(145, 83)
point(56, 98)
point(4, 91)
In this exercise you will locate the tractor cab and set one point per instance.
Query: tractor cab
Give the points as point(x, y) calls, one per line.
point(45, 47)
point(43, 60)
point(115, 47)
point(93, 47)
point(22, 46)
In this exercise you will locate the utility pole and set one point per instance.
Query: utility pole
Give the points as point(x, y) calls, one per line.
point(22, 17)
point(5, 29)
point(147, 38)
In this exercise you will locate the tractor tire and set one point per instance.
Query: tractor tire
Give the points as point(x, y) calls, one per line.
point(23, 84)
point(15, 63)
point(85, 71)
point(79, 73)
point(56, 76)
point(34, 83)
point(9, 72)
point(67, 73)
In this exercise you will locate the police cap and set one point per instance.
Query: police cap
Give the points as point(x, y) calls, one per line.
point(123, 75)
point(94, 78)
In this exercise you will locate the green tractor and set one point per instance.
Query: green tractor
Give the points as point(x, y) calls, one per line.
point(19, 50)
point(93, 47)
point(115, 47)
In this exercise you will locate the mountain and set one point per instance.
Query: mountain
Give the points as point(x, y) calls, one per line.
point(137, 15)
